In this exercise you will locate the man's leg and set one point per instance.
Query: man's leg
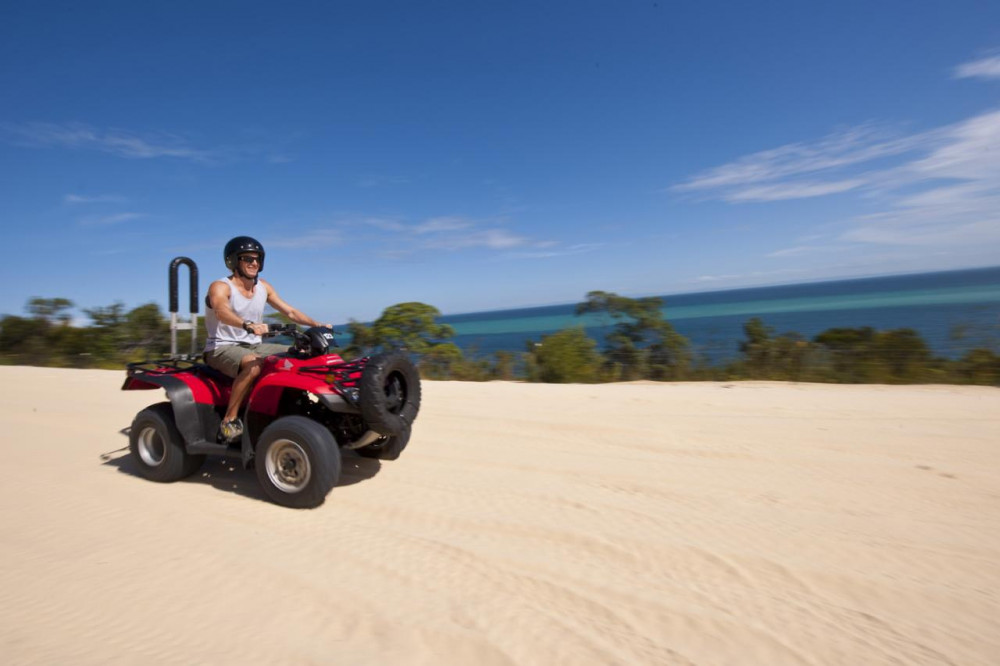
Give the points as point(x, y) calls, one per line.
point(250, 366)
point(249, 371)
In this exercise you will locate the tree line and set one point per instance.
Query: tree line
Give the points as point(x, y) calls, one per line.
point(640, 345)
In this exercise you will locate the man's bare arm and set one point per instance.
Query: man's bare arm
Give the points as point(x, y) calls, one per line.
point(218, 298)
point(284, 308)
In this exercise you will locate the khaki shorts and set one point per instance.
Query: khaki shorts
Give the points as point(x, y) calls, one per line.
point(227, 359)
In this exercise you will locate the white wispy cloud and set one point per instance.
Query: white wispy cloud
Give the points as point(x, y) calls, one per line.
point(494, 239)
point(797, 250)
point(456, 233)
point(101, 198)
point(446, 232)
point(551, 249)
point(965, 210)
point(441, 224)
point(432, 225)
point(120, 142)
point(798, 190)
point(984, 68)
point(315, 238)
point(375, 180)
point(108, 220)
point(937, 187)
point(744, 277)
point(835, 151)
point(384, 223)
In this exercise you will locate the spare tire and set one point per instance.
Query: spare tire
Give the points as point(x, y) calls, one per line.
point(389, 393)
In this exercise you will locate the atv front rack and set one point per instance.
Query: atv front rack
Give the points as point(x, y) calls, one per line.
point(344, 377)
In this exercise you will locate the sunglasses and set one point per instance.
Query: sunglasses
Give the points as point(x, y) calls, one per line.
point(249, 259)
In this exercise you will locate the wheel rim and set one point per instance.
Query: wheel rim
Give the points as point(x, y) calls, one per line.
point(288, 466)
point(395, 392)
point(151, 448)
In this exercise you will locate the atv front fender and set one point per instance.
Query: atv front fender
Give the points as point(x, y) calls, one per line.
point(267, 393)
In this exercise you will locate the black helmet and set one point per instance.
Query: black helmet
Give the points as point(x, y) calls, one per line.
point(240, 245)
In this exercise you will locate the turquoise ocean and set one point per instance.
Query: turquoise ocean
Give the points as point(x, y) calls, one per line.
point(953, 311)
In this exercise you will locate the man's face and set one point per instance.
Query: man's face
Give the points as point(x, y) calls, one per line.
point(250, 262)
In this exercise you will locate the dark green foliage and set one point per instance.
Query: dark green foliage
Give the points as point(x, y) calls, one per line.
point(979, 366)
point(23, 341)
point(414, 328)
point(362, 338)
point(52, 310)
point(786, 357)
point(117, 335)
point(409, 326)
point(904, 354)
point(642, 344)
point(505, 366)
point(44, 339)
point(852, 352)
point(146, 330)
point(114, 337)
point(569, 356)
point(441, 361)
point(866, 355)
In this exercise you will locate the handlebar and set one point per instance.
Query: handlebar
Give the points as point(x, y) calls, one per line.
point(281, 329)
point(309, 343)
point(287, 329)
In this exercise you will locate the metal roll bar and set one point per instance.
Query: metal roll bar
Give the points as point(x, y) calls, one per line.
point(175, 323)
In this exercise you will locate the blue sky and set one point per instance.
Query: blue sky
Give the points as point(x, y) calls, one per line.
point(480, 156)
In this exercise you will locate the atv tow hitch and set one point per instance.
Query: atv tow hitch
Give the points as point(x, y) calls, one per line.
point(365, 439)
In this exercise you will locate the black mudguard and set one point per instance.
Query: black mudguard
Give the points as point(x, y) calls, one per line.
point(197, 422)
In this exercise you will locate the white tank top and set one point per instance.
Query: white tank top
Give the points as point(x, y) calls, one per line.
point(219, 334)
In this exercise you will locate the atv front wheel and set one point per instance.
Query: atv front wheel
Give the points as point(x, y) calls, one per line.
point(390, 393)
point(157, 447)
point(297, 462)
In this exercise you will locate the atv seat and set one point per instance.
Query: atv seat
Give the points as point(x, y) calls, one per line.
point(211, 373)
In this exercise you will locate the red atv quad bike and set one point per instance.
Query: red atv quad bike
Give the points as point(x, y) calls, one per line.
point(306, 405)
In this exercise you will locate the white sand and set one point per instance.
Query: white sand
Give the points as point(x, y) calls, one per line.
point(748, 523)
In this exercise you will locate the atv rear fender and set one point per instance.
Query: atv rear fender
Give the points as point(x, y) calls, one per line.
point(193, 400)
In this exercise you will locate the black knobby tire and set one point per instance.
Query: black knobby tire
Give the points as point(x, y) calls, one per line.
point(389, 393)
point(387, 448)
point(297, 462)
point(157, 447)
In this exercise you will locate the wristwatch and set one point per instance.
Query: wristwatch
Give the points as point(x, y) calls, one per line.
point(246, 325)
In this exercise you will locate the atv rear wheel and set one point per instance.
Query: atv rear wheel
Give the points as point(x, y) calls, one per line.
point(297, 462)
point(390, 393)
point(387, 448)
point(157, 447)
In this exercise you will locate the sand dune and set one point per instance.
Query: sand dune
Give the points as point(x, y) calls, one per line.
point(748, 523)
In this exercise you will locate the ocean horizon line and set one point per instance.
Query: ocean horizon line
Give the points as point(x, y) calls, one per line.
point(730, 290)
point(734, 290)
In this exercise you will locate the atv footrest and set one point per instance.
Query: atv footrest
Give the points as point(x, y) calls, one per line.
point(204, 447)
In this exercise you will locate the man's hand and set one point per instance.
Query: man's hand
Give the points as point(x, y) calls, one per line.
point(258, 329)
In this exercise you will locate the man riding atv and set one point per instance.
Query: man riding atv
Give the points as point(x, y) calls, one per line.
point(302, 405)
point(234, 322)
